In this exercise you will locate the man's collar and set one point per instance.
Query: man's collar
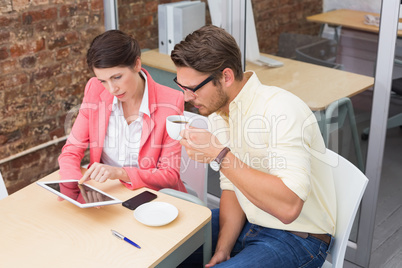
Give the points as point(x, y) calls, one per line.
point(244, 98)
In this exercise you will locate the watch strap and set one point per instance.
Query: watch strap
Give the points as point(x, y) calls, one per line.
point(222, 155)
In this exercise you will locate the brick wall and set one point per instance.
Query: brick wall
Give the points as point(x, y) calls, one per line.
point(275, 16)
point(43, 72)
point(272, 17)
point(42, 75)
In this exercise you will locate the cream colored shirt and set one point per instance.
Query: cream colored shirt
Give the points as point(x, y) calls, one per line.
point(273, 131)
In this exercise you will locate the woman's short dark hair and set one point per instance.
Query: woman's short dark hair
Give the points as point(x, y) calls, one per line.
point(210, 49)
point(111, 49)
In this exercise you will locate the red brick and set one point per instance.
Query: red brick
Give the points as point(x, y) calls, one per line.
point(137, 9)
point(45, 85)
point(62, 25)
point(4, 37)
point(152, 6)
point(15, 79)
point(67, 11)
point(79, 22)
point(64, 78)
point(19, 5)
point(44, 27)
point(47, 72)
point(38, 15)
point(8, 20)
point(15, 97)
point(39, 2)
point(40, 128)
point(8, 66)
point(26, 161)
point(14, 136)
point(62, 53)
point(73, 10)
point(28, 62)
point(21, 106)
point(45, 57)
point(96, 19)
point(3, 139)
point(4, 53)
point(62, 40)
point(58, 132)
point(33, 46)
point(146, 21)
point(8, 125)
point(124, 13)
point(96, 5)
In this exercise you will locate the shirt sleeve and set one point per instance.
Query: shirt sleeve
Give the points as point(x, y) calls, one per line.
point(289, 152)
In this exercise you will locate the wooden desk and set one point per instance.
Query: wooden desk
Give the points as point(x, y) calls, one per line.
point(352, 19)
point(358, 43)
point(36, 230)
point(316, 85)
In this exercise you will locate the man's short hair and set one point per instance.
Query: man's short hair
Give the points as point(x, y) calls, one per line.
point(209, 49)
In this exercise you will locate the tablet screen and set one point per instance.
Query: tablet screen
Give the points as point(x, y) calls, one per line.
point(82, 195)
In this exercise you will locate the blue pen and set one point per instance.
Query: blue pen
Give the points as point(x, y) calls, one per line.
point(120, 236)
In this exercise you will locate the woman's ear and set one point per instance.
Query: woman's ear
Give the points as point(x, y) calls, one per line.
point(137, 66)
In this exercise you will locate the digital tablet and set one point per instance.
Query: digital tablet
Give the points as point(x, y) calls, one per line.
point(82, 195)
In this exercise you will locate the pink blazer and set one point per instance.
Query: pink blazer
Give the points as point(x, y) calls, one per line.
point(159, 155)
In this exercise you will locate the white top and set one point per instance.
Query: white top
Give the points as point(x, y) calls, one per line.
point(275, 132)
point(122, 141)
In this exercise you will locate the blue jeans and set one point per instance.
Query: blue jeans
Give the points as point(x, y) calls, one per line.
point(258, 246)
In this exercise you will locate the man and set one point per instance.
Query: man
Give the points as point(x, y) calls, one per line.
point(278, 204)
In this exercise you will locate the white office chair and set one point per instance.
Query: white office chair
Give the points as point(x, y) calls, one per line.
point(3, 189)
point(195, 177)
point(192, 173)
point(350, 184)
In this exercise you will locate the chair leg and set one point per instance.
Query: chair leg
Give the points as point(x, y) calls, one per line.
point(355, 135)
point(347, 103)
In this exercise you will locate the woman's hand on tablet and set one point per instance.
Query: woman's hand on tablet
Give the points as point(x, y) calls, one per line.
point(101, 172)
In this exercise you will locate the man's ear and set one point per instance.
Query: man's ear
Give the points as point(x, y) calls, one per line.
point(228, 77)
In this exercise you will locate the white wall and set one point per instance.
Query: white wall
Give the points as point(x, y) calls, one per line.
point(363, 5)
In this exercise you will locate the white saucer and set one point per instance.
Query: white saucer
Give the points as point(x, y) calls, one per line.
point(156, 213)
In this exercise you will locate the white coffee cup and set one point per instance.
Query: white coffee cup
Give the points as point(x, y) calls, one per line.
point(175, 124)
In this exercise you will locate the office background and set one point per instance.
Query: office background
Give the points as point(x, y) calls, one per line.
point(42, 75)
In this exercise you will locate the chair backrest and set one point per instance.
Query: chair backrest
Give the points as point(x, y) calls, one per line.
point(350, 184)
point(3, 189)
point(320, 53)
point(193, 173)
point(289, 42)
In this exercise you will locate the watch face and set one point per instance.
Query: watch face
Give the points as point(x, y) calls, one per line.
point(214, 165)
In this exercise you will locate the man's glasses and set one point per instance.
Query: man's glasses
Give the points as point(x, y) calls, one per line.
point(192, 90)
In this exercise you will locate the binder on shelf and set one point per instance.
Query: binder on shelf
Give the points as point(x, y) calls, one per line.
point(167, 21)
point(171, 29)
point(162, 29)
point(187, 19)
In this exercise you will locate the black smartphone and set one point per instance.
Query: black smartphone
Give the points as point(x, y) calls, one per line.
point(139, 199)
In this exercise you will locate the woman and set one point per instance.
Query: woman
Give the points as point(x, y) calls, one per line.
point(122, 119)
